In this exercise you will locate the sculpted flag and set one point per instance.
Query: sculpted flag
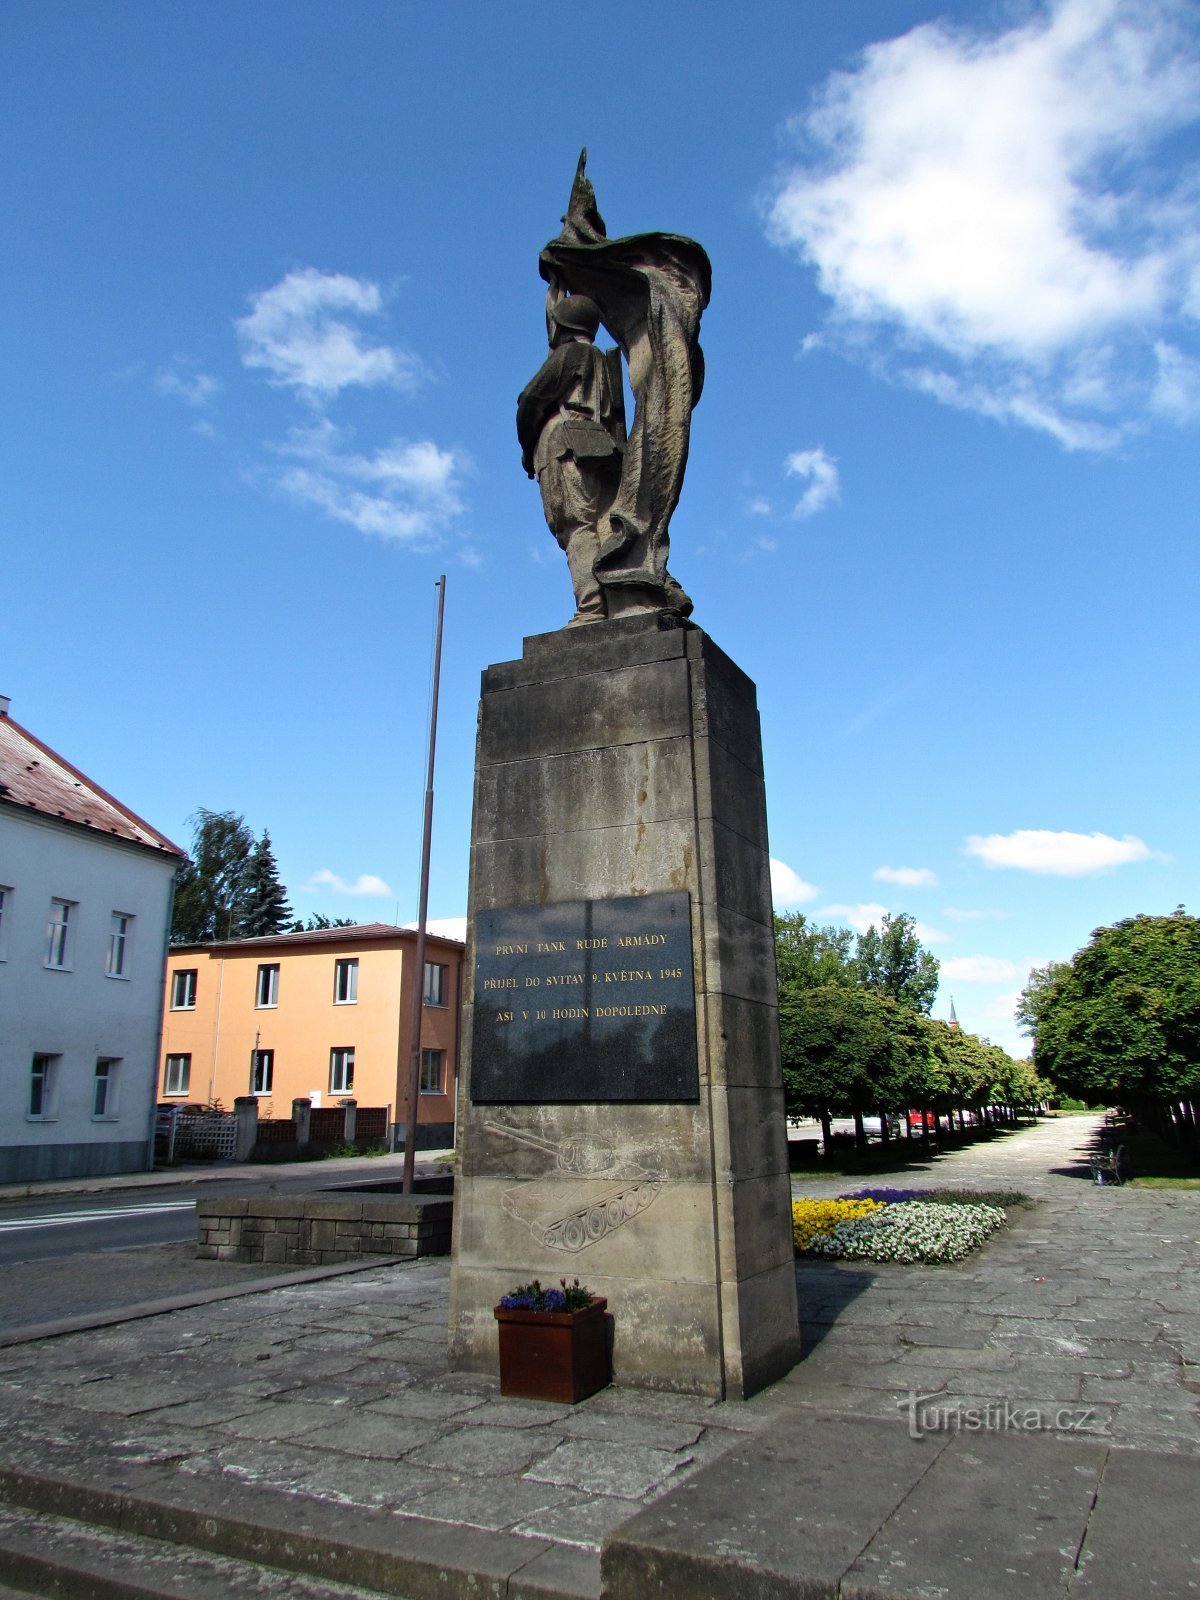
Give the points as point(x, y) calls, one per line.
point(651, 289)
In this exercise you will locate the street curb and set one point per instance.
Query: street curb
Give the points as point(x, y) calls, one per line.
point(381, 1551)
point(89, 1320)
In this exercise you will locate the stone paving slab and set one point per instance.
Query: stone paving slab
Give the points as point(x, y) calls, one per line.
point(327, 1407)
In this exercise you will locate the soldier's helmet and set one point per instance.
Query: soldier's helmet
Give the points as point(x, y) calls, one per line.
point(578, 313)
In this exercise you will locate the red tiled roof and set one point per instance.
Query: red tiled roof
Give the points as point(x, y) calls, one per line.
point(34, 778)
point(358, 932)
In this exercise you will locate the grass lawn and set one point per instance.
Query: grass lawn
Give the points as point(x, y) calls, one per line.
point(1157, 1164)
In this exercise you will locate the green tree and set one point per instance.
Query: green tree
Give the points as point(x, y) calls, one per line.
point(318, 921)
point(211, 885)
point(891, 959)
point(265, 908)
point(1039, 993)
point(848, 1050)
point(807, 956)
point(1123, 1021)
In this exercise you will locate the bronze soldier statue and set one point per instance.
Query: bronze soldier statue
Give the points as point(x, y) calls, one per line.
point(609, 498)
point(571, 428)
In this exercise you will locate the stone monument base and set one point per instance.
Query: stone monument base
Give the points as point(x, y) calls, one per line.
point(621, 1117)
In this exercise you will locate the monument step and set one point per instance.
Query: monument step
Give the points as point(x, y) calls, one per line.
point(175, 1536)
point(55, 1556)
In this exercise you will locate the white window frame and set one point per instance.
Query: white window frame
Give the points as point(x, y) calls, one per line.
point(428, 1059)
point(5, 918)
point(266, 982)
point(435, 979)
point(188, 989)
point(110, 1078)
point(345, 981)
point(263, 1072)
point(58, 935)
point(120, 938)
point(171, 1071)
point(341, 1069)
point(43, 1072)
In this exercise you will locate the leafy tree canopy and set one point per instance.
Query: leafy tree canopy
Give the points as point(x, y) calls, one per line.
point(318, 920)
point(1122, 1021)
point(1039, 994)
point(847, 1049)
point(228, 888)
point(808, 956)
point(891, 959)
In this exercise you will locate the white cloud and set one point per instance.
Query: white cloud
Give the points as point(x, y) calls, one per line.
point(301, 333)
point(758, 506)
point(978, 969)
point(868, 914)
point(448, 927)
point(408, 491)
point(860, 916)
point(788, 888)
point(995, 200)
point(365, 884)
point(185, 382)
point(1177, 386)
point(819, 471)
point(1060, 855)
point(907, 877)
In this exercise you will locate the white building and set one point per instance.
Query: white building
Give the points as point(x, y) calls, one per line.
point(85, 908)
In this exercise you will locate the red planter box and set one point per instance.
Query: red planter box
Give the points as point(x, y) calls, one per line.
point(554, 1355)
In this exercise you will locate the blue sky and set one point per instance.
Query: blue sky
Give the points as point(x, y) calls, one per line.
point(271, 290)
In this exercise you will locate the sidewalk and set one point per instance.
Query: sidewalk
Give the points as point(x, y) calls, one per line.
point(316, 1428)
point(372, 1168)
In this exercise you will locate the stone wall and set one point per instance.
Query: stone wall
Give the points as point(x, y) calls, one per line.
point(317, 1231)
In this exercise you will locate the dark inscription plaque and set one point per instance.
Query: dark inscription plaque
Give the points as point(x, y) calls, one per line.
point(589, 1000)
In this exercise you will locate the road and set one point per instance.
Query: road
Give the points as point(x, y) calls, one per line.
point(65, 1256)
point(47, 1230)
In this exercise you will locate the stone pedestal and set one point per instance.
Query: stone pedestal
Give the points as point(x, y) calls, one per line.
point(619, 806)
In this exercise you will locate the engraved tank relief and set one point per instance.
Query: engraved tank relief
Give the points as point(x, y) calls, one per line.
point(598, 1193)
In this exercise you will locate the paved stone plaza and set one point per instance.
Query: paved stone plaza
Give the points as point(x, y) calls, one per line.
point(1088, 1302)
point(336, 1393)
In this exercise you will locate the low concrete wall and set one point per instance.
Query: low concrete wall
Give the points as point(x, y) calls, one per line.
point(316, 1231)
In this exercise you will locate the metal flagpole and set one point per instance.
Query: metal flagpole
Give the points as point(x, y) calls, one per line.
point(418, 988)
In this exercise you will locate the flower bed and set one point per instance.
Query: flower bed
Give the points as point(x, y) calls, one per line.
point(906, 1228)
point(816, 1219)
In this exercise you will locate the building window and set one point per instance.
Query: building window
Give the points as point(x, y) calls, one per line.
point(119, 930)
point(43, 1083)
point(5, 913)
point(183, 989)
point(264, 1069)
point(178, 1076)
point(341, 1070)
point(435, 984)
point(266, 991)
point(433, 1071)
point(104, 1089)
point(57, 933)
point(345, 982)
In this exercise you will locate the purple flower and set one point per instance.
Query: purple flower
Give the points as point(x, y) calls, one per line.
point(890, 1197)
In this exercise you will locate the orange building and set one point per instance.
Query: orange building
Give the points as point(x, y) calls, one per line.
point(324, 1016)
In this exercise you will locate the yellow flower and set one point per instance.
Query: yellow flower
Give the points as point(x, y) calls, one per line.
point(814, 1219)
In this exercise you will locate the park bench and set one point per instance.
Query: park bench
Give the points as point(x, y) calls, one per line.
point(1110, 1165)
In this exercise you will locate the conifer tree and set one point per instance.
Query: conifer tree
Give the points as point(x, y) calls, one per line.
point(265, 909)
